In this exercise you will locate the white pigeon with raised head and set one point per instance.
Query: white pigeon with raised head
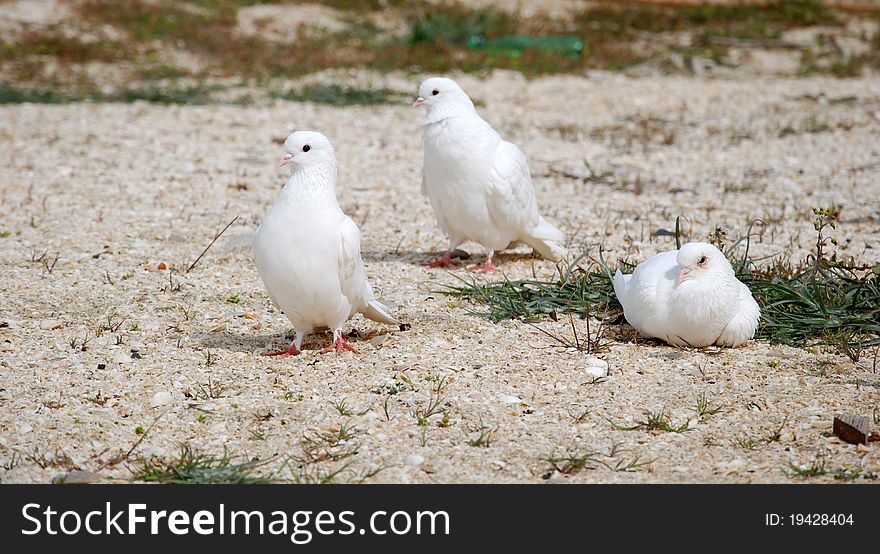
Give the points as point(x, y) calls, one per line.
point(308, 252)
point(688, 297)
point(478, 184)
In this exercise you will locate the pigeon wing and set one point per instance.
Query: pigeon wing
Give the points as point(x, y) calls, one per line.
point(512, 202)
point(745, 323)
point(352, 278)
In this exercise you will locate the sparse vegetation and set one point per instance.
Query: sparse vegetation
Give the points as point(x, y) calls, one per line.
point(483, 435)
point(577, 291)
point(704, 406)
point(332, 445)
point(211, 390)
point(654, 421)
point(338, 95)
point(435, 38)
point(850, 473)
point(815, 468)
point(822, 300)
point(577, 460)
point(434, 405)
point(191, 467)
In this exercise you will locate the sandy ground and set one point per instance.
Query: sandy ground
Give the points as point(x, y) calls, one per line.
point(115, 190)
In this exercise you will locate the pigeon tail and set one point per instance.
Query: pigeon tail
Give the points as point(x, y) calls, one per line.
point(620, 281)
point(377, 311)
point(546, 239)
point(742, 327)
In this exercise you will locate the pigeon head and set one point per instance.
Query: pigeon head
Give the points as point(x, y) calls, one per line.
point(700, 261)
point(306, 148)
point(442, 94)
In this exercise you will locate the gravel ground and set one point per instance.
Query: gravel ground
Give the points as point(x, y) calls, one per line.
point(118, 192)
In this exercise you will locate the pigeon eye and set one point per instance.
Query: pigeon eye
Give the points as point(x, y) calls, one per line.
point(435, 92)
point(703, 260)
point(306, 148)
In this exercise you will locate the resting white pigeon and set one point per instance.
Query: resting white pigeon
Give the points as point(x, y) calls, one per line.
point(478, 184)
point(308, 252)
point(688, 297)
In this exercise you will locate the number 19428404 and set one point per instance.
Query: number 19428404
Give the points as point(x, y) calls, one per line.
point(808, 519)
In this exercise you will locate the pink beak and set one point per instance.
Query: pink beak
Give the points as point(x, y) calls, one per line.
point(418, 102)
point(682, 276)
point(285, 159)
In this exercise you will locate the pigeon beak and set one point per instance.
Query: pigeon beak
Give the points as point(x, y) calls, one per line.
point(285, 159)
point(418, 102)
point(682, 277)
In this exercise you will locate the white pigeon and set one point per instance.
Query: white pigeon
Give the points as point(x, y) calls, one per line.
point(308, 252)
point(478, 184)
point(688, 297)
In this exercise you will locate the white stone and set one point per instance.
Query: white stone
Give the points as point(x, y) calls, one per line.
point(414, 460)
point(49, 324)
point(161, 398)
point(596, 368)
point(509, 399)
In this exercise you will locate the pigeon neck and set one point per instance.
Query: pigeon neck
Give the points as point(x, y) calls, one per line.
point(442, 112)
point(316, 181)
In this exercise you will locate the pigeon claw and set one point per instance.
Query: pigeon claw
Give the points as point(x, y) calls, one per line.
point(485, 268)
point(292, 351)
point(445, 261)
point(339, 345)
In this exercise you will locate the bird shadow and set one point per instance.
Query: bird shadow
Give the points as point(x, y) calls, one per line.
point(422, 259)
point(236, 342)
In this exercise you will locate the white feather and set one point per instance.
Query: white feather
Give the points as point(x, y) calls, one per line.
point(711, 306)
point(478, 184)
point(308, 252)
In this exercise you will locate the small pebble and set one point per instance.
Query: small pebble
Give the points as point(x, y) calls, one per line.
point(414, 460)
point(508, 399)
point(376, 341)
point(161, 398)
point(50, 324)
point(596, 368)
point(76, 477)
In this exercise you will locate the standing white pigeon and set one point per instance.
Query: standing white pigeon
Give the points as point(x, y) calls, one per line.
point(478, 184)
point(308, 252)
point(688, 297)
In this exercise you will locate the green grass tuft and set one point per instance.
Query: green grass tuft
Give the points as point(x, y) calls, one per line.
point(823, 300)
point(193, 95)
point(654, 421)
point(337, 95)
point(578, 291)
point(190, 467)
point(10, 94)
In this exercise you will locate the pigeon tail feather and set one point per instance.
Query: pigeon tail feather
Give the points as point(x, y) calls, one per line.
point(376, 311)
point(744, 324)
point(620, 281)
point(546, 239)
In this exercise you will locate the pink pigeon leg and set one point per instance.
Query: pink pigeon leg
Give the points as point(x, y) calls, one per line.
point(486, 267)
point(339, 344)
point(445, 261)
point(292, 351)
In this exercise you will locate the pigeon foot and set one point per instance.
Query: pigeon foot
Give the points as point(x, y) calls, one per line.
point(445, 261)
point(339, 345)
point(292, 351)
